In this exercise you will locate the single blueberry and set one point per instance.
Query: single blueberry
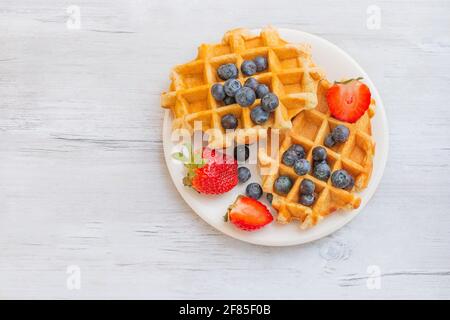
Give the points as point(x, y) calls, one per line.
point(307, 199)
point(251, 83)
point(283, 184)
point(218, 92)
point(340, 133)
point(229, 121)
point(261, 90)
point(227, 71)
point(307, 186)
point(241, 153)
point(245, 97)
point(243, 174)
point(322, 171)
point(248, 68)
point(261, 63)
point(229, 100)
point(289, 157)
point(254, 190)
point(259, 115)
point(329, 141)
point(231, 86)
point(269, 197)
point(270, 102)
point(341, 179)
point(302, 167)
point(319, 153)
point(299, 151)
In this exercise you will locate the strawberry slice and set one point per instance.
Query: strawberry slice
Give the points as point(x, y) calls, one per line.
point(348, 100)
point(248, 214)
point(212, 172)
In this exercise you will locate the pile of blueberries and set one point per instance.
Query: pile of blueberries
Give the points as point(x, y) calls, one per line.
point(294, 157)
point(307, 195)
point(232, 91)
point(283, 184)
point(338, 135)
point(253, 190)
point(321, 170)
point(340, 178)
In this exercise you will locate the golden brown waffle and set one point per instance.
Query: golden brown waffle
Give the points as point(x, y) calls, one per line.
point(309, 130)
point(291, 75)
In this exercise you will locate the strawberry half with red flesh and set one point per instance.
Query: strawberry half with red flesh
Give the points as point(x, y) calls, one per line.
point(248, 214)
point(348, 100)
point(212, 173)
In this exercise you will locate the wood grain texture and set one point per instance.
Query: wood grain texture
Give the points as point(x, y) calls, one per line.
point(83, 181)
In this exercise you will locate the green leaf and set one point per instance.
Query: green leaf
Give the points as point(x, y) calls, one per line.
point(179, 156)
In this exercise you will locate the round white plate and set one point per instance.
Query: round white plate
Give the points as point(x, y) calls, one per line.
point(337, 65)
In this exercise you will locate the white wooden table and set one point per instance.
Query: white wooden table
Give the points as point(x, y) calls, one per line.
point(83, 184)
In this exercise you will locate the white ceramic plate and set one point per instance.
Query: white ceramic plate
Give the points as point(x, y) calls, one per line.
point(337, 65)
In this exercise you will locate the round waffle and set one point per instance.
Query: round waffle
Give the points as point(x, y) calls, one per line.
point(291, 75)
point(309, 129)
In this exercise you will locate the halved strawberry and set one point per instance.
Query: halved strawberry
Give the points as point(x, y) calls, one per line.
point(248, 214)
point(348, 100)
point(212, 172)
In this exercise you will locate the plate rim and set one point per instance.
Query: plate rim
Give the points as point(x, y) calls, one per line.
point(375, 180)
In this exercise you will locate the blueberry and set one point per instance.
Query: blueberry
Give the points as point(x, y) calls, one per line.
point(340, 133)
point(289, 157)
point(229, 121)
point(217, 92)
point(307, 186)
point(270, 102)
point(299, 151)
point(319, 153)
point(322, 171)
point(269, 197)
point(321, 162)
point(241, 153)
point(258, 115)
point(261, 63)
point(329, 141)
point(307, 199)
point(245, 97)
point(254, 190)
point(283, 184)
point(302, 167)
point(251, 83)
point(341, 179)
point(229, 100)
point(261, 90)
point(231, 87)
point(227, 71)
point(248, 68)
point(243, 174)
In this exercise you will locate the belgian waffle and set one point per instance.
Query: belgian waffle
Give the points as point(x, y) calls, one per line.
point(309, 129)
point(291, 75)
